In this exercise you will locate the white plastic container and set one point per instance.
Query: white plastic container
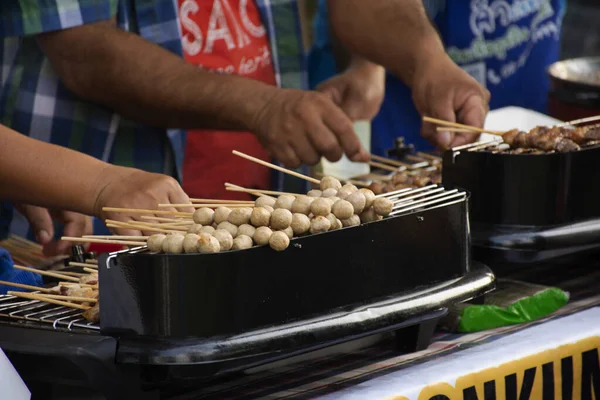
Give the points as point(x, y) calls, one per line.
point(346, 169)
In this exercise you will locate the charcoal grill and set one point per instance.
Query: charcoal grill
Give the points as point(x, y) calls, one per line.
point(528, 208)
point(169, 323)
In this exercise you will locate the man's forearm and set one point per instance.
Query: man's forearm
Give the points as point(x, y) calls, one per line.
point(145, 82)
point(46, 175)
point(407, 41)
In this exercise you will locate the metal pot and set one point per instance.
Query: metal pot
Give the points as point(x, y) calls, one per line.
point(574, 88)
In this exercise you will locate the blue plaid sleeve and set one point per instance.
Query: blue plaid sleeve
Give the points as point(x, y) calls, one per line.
point(31, 17)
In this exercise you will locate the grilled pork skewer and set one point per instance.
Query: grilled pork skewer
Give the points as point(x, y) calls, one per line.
point(545, 138)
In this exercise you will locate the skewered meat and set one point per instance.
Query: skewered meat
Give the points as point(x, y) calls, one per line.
point(561, 139)
point(93, 314)
point(91, 279)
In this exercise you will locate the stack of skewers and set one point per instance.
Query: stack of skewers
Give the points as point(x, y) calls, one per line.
point(273, 219)
point(565, 137)
point(78, 290)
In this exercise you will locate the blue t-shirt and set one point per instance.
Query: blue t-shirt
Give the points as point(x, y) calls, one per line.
point(506, 45)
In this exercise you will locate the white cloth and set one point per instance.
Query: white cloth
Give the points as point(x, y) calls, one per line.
point(12, 386)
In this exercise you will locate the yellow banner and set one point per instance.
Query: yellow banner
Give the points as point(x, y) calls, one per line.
point(568, 372)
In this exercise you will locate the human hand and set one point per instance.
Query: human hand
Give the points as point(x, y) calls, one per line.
point(442, 90)
point(41, 221)
point(132, 188)
point(298, 127)
point(358, 91)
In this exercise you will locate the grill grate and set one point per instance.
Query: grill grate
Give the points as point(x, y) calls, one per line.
point(38, 314)
point(497, 145)
point(425, 198)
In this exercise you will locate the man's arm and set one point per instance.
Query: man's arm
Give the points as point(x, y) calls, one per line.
point(146, 83)
point(410, 48)
point(46, 175)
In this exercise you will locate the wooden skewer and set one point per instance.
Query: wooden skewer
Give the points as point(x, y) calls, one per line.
point(91, 261)
point(138, 228)
point(84, 265)
point(144, 224)
point(390, 161)
point(462, 126)
point(142, 211)
point(429, 156)
point(278, 168)
point(83, 285)
point(213, 201)
point(69, 273)
point(385, 167)
point(23, 286)
point(32, 296)
point(253, 193)
point(450, 129)
point(144, 228)
point(70, 298)
point(271, 192)
point(47, 273)
point(104, 241)
point(162, 219)
point(117, 237)
point(91, 271)
point(27, 243)
point(163, 225)
point(213, 205)
point(580, 121)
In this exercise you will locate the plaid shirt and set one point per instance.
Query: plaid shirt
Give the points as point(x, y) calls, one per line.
point(35, 102)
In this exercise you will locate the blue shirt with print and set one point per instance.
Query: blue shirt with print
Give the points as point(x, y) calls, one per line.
point(506, 45)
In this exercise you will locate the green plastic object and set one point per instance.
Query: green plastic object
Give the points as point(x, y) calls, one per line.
point(475, 318)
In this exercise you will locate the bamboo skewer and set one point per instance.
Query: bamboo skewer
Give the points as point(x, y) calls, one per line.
point(211, 205)
point(69, 273)
point(103, 241)
point(23, 286)
point(47, 273)
point(84, 265)
point(390, 161)
point(450, 129)
point(234, 188)
point(278, 168)
point(579, 121)
point(141, 227)
point(91, 271)
point(214, 201)
point(163, 219)
point(83, 285)
point(253, 193)
point(117, 237)
point(385, 167)
point(32, 296)
point(429, 156)
point(462, 126)
point(91, 261)
point(147, 224)
point(70, 298)
point(142, 211)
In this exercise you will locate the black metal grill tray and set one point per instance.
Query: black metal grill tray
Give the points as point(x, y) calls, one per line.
point(527, 190)
point(495, 245)
point(124, 368)
point(208, 295)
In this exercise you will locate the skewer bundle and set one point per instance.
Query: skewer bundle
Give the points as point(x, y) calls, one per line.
point(274, 221)
point(565, 137)
point(78, 291)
